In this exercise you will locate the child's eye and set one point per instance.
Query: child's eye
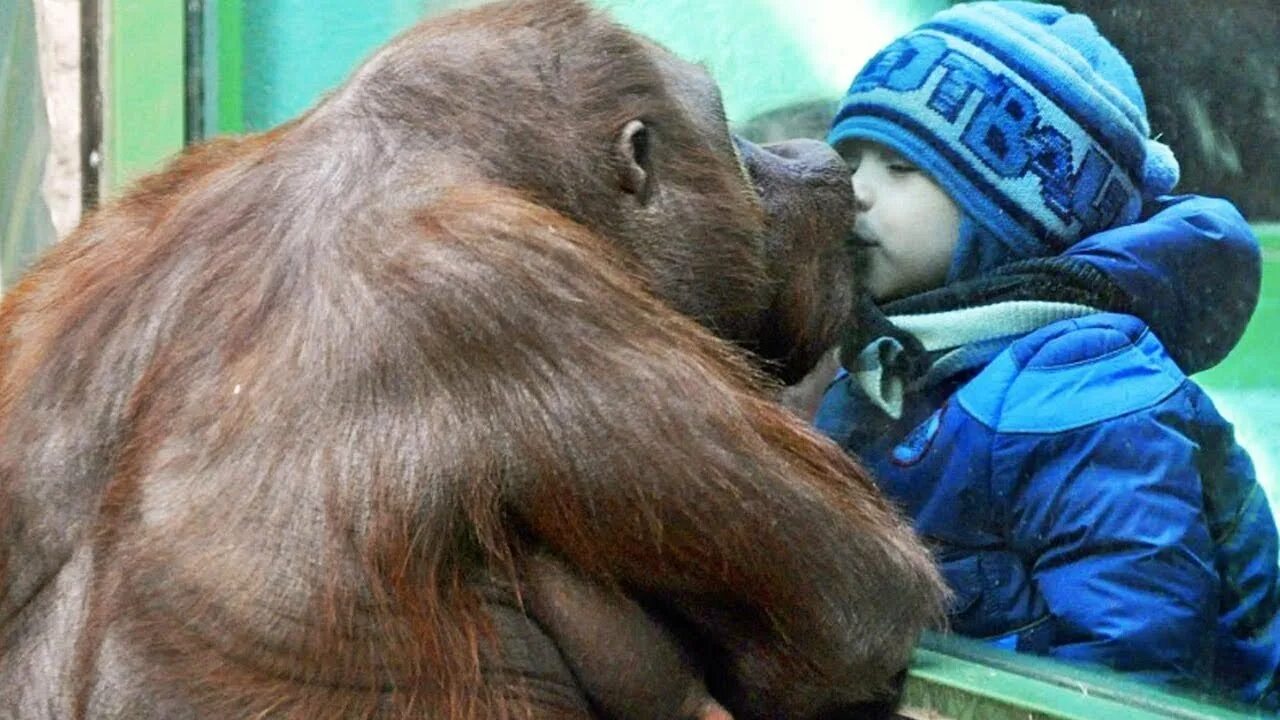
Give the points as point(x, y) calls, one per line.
point(902, 167)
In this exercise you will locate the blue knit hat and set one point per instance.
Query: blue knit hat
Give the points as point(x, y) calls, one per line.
point(1026, 116)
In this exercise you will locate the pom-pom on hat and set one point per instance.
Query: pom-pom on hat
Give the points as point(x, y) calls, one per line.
point(1025, 115)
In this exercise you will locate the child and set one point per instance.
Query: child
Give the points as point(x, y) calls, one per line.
point(1019, 385)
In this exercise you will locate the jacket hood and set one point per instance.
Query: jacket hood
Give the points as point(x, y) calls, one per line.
point(1192, 271)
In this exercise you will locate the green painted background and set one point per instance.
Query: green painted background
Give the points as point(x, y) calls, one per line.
point(143, 93)
point(766, 54)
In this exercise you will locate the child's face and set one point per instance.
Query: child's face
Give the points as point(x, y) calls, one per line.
point(906, 223)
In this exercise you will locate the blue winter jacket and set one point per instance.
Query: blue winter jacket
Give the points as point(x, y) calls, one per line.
point(1084, 498)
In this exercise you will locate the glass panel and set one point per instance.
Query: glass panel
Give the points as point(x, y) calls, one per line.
point(1210, 80)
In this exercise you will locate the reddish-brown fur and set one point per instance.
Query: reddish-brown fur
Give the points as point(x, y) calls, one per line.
point(281, 428)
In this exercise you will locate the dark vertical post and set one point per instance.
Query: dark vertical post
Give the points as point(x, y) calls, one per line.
point(194, 126)
point(90, 102)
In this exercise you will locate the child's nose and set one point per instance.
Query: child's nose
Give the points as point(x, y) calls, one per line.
point(862, 195)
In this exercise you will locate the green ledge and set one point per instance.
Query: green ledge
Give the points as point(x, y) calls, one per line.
point(954, 678)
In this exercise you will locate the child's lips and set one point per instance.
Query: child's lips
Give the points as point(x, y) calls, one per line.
point(859, 240)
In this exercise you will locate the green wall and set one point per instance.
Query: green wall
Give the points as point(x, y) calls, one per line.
point(294, 50)
point(766, 54)
point(143, 93)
